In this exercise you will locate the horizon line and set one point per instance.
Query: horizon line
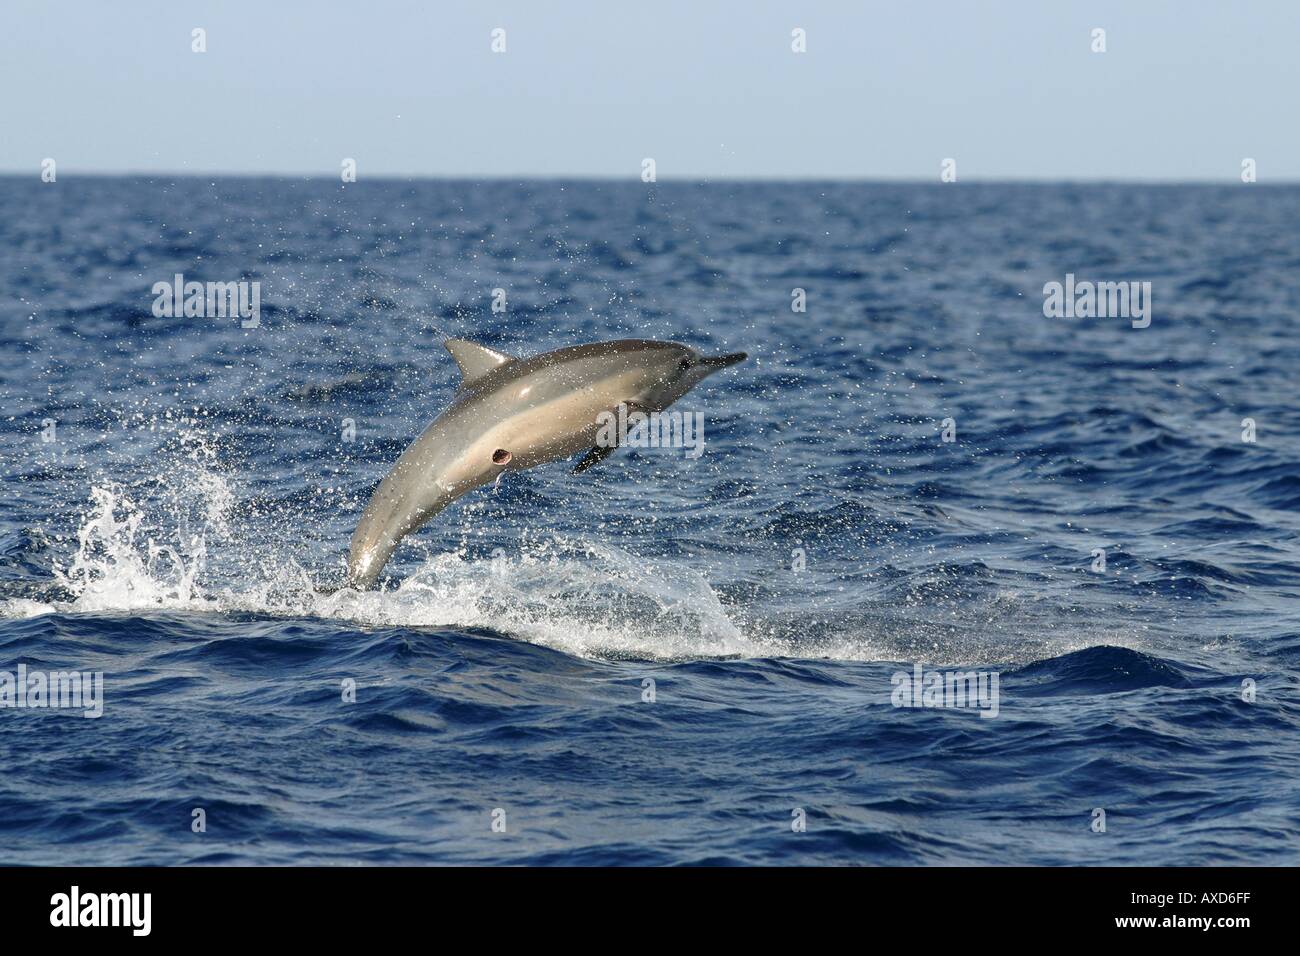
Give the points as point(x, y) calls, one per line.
point(636, 180)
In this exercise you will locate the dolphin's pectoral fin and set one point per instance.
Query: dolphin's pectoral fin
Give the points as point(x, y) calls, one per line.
point(611, 444)
point(474, 360)
point(594, 457)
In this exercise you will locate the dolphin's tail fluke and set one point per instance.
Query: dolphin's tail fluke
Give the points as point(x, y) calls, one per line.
point(388, 518)
point(376, 537)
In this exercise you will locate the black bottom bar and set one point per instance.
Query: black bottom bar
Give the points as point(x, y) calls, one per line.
point(337, 905)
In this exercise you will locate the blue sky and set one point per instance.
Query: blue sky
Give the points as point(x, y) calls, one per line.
point(1011, 90)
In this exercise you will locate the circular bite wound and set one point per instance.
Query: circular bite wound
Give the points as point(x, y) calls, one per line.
point(501, 457)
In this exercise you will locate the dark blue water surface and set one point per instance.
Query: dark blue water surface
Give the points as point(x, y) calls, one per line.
point(181, 528)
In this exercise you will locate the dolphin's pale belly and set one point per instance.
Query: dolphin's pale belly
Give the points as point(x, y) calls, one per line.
point(545, 431)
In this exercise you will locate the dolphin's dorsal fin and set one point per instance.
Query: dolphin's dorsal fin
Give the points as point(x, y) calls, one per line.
point(474, 360)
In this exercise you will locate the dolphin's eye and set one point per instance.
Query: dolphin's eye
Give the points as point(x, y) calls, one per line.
point(501, 457)
point(684, 364)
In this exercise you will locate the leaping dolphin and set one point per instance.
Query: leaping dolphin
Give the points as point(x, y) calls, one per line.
point(511, 414)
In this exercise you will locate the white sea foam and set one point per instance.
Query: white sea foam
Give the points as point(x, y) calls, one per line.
point(582, 598)
point(591, 600)
point(113, 570)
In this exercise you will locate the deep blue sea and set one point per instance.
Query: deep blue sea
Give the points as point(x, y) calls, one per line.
point(664, 660)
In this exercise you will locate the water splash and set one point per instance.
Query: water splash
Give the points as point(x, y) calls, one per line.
point(165, 542)
point(587, 599)
point(581, 598)
point(112, 571)
point(145, 545)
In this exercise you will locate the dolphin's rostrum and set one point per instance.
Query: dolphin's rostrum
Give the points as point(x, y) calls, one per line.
point(511, 414)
